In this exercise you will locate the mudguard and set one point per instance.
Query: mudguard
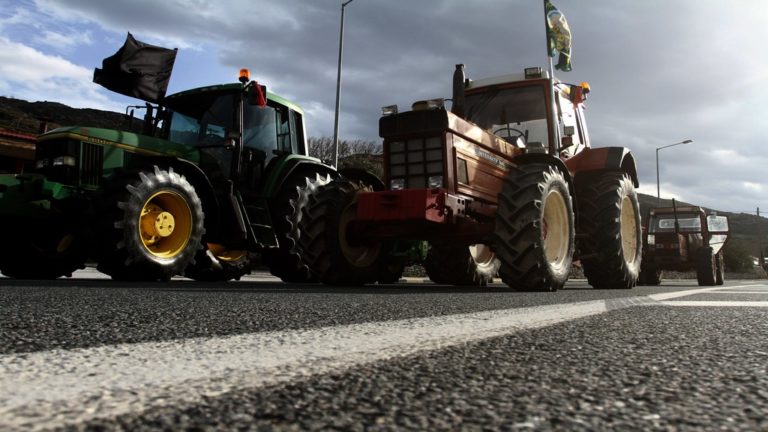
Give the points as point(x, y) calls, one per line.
point(603, 159)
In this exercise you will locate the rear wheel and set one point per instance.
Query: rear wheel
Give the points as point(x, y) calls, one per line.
point(474, 265)
point(216, 263)
point(322, 238)
point(706, 267)
point(152, 227)
point(610, 232)
point(719, 269)
point(42, 251)
point(534, 228)
point(283, 261)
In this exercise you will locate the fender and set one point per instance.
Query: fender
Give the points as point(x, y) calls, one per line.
point(604, 159)
point(280, 172)
point(363, 176)
point(527, 158)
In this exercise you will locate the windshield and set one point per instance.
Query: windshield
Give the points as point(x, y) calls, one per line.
point(511, 113)
point(204, 120)
point(666, 223)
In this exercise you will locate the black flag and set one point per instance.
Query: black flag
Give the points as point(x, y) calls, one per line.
point(137, 69)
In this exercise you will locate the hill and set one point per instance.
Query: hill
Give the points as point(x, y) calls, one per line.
point(27, 117)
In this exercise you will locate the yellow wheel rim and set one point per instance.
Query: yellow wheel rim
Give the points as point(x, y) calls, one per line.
point(628, 230)
point(224, 254)
point(555, 229)
point(165, 224)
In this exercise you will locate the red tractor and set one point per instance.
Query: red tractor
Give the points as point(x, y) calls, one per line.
point(506, 183)
point(684, 239)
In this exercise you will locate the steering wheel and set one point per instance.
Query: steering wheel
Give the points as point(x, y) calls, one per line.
point(509, 130)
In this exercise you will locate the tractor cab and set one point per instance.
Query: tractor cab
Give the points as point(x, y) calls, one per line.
point(516, 108)
point(209, 120)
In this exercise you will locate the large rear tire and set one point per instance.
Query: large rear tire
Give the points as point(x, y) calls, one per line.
point(609, 230)
point(322, 239)
point(474, 265)
point(534, 238)
point(706, 267)
point(153, 225)
point(283, 261)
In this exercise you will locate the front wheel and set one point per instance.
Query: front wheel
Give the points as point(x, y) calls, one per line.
point(610, 231)
point(323, 241)
point(719, 269)
point(706, 268)
point(474, 265)
point(152, 227)
point(534, 228)
point(217, 263)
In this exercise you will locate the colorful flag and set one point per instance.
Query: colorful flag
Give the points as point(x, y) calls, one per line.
point(137, 69)
point(558, 36)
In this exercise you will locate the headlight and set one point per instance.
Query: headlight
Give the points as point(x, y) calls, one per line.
point(397, 184)
point(651, 239)
point(64, 161)
point(435, 181)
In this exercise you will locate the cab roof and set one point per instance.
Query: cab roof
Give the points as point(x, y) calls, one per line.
point(224, 88)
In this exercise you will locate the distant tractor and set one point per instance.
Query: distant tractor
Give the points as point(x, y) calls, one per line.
point(684, 239)
point(505, 183)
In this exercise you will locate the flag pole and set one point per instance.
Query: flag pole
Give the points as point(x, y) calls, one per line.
point(553, 144)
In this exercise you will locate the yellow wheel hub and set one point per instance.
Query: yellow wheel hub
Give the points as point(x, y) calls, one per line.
point(165, 224)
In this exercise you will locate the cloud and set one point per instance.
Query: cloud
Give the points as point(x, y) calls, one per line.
point(26, 73)
point(63, 41)
point(660, 71)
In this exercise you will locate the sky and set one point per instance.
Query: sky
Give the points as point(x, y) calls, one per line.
point(661, 71)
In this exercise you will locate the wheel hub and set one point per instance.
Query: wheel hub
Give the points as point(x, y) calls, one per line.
point(156, 223)
point(165, 224)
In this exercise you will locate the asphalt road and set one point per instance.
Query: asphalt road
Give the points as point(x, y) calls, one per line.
point(93, 354)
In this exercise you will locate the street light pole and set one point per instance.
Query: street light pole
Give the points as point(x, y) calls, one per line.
point(658, 183)
point(338, 88)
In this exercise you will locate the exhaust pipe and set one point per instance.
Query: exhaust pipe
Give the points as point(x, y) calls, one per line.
point(457, 107)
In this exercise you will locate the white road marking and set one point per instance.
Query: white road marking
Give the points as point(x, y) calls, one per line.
point(714, 303)
point(676, 294)
point(49, 389)
point(740, 292)
point(54, 388)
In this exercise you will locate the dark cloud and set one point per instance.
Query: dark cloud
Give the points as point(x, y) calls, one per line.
point(660, 71)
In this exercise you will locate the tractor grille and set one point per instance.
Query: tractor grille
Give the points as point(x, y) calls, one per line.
point(83, 166)
point(91, 164)
point(415, 163)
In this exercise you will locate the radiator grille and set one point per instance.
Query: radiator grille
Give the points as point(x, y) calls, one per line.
point(91, 164)
point(414, 161)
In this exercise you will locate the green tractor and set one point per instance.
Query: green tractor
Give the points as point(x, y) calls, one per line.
point(204, 191)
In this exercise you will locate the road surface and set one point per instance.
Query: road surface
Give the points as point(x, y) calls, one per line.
point(90, 353)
